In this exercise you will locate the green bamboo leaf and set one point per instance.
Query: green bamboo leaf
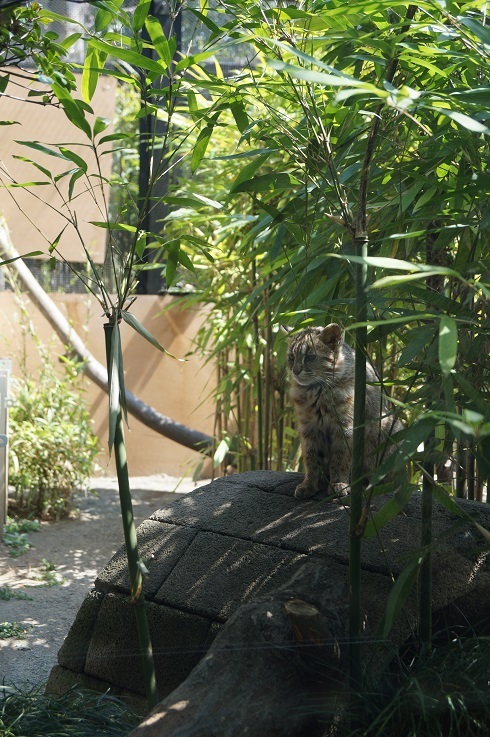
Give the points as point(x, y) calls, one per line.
point(484, 532)
point(70, 40)
point(221, 452)
point(140, 245)
point(448, 344)
point(391, 281)
point(25, 255)
point(425, 198)
point(101, 125)
point(102, 19)
point(54, 244)
point(136, 325)
point(398, 264)
point(483, 457)
point(200, 147)
point(387, 512)
point(140, 13)
point(159, 40)
point(472, 394)
point(240, 115)
point(49, 16)
point(40, 168)
point(329, 80)
point(72, 108)
point(185, 261)
point(77, 174)
point(189, 61)
point(129, 56)
point(268, 183)
point(463, 120)
point(399, 593)
point(24, 185)
point(42, 148)
point(249, 170)
point(113, 226)
point(482, 32)
point(193, 200)
point(91, 72)
point(415, 434)
point(172, 260)
point(72, 156)
point(416, 344)
point(448, 502)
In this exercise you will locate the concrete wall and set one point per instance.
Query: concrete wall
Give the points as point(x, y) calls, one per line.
point(179, 390)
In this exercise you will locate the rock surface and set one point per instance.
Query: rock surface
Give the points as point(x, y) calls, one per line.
point(245, 536)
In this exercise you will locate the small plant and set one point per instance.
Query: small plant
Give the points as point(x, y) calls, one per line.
point(7, 593)
point(53, 446)
point(48, 575)
point(12, 629)
point(75, 713)
point(15, 535)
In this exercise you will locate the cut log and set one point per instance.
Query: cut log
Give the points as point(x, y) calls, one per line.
point(93, 369)
point(277, 669)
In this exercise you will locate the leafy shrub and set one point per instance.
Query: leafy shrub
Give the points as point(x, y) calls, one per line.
point(52, 447)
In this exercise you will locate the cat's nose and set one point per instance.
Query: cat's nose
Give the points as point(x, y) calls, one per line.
point(297, 370)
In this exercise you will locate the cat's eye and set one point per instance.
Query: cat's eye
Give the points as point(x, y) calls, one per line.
point(290, 358)
point(310, 357)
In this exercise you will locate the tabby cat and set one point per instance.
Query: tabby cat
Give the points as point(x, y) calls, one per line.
point(321, 367)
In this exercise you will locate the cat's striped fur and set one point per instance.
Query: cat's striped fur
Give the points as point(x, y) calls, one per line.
point(321, 368)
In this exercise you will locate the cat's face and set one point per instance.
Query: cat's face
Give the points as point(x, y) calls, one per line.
point(314, 355)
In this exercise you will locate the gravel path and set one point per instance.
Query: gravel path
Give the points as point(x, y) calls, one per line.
point(77, 549)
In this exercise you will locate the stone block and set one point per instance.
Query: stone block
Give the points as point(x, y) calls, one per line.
point(219, 572)
point(73, 652)
point(276, 482)
point(240, 511)
point(160, 547)
point(179, 640)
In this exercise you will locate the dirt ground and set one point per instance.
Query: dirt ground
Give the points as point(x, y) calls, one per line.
point(75, 551)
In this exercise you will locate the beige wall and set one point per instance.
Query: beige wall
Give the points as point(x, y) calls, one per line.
point(176, 389)
point(42, 205)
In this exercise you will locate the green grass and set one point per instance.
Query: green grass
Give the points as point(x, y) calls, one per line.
point(77, 713)
point(447, 694)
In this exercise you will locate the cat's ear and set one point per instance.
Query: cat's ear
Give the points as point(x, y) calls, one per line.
point(332, 336)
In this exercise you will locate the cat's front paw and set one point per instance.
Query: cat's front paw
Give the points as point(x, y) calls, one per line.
point(304, 490)
point(340, 489)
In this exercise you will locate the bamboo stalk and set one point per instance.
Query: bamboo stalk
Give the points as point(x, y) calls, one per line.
point(470, 475)
point(425, 578)
point(130, 538)
point(356, 499)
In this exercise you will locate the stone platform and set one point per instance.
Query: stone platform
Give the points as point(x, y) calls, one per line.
point(240, 537)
